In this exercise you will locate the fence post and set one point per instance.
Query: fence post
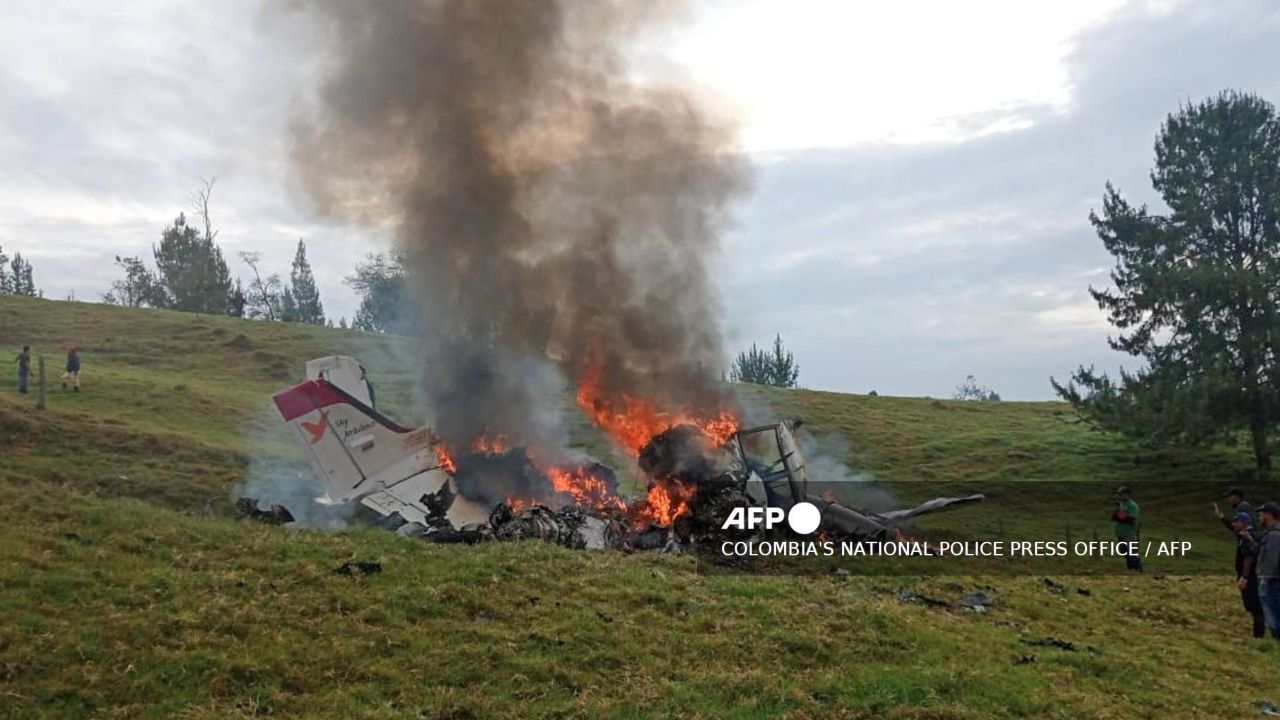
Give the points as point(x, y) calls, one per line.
point(40, 385)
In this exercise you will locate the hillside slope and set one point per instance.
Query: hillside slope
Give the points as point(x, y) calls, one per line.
point(127, 590)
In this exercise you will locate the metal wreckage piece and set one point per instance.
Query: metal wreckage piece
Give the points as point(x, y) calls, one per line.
point(362, 456)
point(771, 457)
point(571, 526)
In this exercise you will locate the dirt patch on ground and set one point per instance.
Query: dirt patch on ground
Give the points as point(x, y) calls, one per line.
point(278, 366)
point(15, 429)
point(240, 342)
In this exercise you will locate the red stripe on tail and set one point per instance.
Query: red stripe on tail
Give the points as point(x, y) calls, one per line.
point(306, 397)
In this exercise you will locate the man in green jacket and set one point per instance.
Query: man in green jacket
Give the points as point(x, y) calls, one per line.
point(1127, 517)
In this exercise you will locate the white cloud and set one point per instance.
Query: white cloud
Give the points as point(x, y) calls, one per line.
point(1074, 317)
point(831, 73)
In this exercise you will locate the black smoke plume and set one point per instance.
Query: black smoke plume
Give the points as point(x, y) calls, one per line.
point(552, 207)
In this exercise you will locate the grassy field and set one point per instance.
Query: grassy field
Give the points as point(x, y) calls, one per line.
point(128, 590)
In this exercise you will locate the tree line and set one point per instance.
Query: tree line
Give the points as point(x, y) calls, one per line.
point(775, 367)
point(16, 276)
point(191, 275)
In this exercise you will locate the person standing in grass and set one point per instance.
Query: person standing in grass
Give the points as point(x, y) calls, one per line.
point(24, 368)
point(1265, 543)
point(1235, 497)
point(1127, 518)
point(72, 375)
point(1247, 573)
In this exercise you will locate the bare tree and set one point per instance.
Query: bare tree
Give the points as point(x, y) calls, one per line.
point(200, 206)
point(264, 293)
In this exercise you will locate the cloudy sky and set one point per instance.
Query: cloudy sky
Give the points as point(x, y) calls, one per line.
point(924, 169)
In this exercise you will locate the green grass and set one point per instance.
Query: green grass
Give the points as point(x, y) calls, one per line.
point(928, 439)
point(127, 590)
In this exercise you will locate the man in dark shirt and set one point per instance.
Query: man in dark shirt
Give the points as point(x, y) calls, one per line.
point(1265, 544)
point(72, 375)
point(1235, 498)
point(24, 368)
point(1247, 573)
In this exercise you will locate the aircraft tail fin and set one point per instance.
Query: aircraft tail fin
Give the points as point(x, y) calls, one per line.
point(354, 449)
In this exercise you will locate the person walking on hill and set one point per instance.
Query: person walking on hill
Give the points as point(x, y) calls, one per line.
point(1127, 517)
point(72, 375)
point(1247, 573)
point(1265, 543)
point(24, 368)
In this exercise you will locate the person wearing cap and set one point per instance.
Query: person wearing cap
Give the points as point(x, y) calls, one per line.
point(1127, 518)
point(72, 375)
point(1235, 497)
point(1265, 544)
point(1247, 573)
point(24, 368)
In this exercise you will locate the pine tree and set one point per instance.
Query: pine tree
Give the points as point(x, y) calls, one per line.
point(17, 276)
point(138, 288)
point(751, 366)
point(1197, 291)
point(29, 280)
point(305, 296)
point(288, 306)
point(763, 367)
point(192, 274)
point(237, 301)
point(21, 280)
point(783, 370)
point(386, 301)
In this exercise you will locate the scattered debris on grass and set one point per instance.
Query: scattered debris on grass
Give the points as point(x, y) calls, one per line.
point(358, 567)
point(977, 601)
point(1055, 587)
point(909, 595)
point(275, 515)
point(1053, 642)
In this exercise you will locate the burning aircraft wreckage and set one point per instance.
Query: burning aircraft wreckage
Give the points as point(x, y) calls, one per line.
point(555, 214)
point(698, 470)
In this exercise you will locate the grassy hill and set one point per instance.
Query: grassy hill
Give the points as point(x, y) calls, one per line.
point(128, 590)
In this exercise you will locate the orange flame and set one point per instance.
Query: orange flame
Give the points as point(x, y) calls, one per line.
point(445, 458)
point(586, 488)
point(634, 421)
point(517, 503)
point(493, 444)
point(490, 444)
point(663, 504)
